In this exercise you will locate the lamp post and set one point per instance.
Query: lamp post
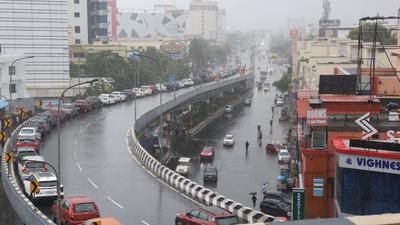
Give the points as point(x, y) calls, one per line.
point(59, 137)
point(161, 111)
point(136, 84)
point(11, 71)
point(79, 68)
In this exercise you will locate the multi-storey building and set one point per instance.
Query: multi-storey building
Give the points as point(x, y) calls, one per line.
point(40, 30)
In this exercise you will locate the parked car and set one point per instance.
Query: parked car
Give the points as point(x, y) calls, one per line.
point(42, 126)
point(229, 140)
point(93, 102)
point(206, 215)
point(50, 117)
point(102, 221)
point(208, 153)
point(82, 106)
point(35, 143)
point(118, 96)
point(275, 207)
point(47, 185)
point(106, 99)
point(279, 102)
point(69, 109)
point(146, 90)
point(30, 133)
point(283, 156)
point(228, 108)
point(183, 166)
point(128, 93)
point(139, 93)
point(161, 87)
point(154, 89)
point(210, 173)
point(26, 167)
point(75, 210)
point(21, 151)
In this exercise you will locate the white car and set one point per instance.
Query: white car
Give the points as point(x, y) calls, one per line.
point(138, 92)
point(29, 133)
point(146, 90)
point(229, 140)
point(118, 96)
point(279, 102)
point(161, 87)
point(107, 99)
point(183, 166)
point(283, 156)
point(47, 185)
point(228, 108)
point(26, 167)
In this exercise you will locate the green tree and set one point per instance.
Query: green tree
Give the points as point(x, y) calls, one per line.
point(199, 54)
point(100, 87)
point(73, 70)
point(368, 31)
point(283, 84)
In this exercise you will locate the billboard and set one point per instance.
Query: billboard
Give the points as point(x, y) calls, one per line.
point(338, 84)
point(298, 203)
point(316, 117)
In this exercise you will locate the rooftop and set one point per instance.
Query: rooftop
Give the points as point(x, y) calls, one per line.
point(348, 98)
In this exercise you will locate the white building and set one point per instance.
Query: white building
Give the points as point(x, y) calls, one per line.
point(203, 20)
point(78, 21)
point(37, 29)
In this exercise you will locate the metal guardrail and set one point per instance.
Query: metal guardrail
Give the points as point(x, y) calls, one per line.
point(178, 182)
point(24, 208)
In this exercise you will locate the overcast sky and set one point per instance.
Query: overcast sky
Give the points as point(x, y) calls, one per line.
point(273, 14)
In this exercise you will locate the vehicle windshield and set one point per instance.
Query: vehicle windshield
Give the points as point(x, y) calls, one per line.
point(227, 220)
point(34, 165)
point(27, 131)
point(183, 163)
point(84, 207)
point(26, 153)
point(229, 137)
point(211, 172)
point(48, 184)
point(284, 153)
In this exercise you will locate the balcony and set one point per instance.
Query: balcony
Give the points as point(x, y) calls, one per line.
point(99, 12)
point(100, 26)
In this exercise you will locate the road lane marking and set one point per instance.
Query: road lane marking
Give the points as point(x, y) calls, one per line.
point(144, 222)
point(94, 185)
point(76, 141)
point(79, 166)
point(80, 131)
point(89, 124)
point(101, 117)
point(116, 203)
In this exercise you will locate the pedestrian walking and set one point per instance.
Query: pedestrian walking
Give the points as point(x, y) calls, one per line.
point(270, 126)
point(247, 146)
point(264, 189)
point(254, 199)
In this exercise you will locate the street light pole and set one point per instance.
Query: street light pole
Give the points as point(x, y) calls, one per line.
point(10, 75)
point(161, 111)
point(59, 137)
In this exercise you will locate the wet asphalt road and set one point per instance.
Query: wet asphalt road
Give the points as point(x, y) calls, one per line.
point(238, 173)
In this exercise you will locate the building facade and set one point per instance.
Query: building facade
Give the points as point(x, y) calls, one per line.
point(78, 21)
point(40, 30)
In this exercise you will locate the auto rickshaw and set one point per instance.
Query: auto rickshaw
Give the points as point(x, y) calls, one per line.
point(271, 149)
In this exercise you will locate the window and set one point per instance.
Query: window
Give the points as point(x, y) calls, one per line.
point(318, 139)
point(77, 15)
point(194, 213)
point(77, 29)
point(65, 205)
point(203, 216)
point(77, 41)
point(76, 1)
point(318, 187)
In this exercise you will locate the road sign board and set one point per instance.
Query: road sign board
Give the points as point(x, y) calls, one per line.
point(298, 204)
point(24, 115)
point(7, 122)
point(34, 187)
point(368, 129)
point(8, 157)
point(96, 223)
point(20, 110)
point(3, 136)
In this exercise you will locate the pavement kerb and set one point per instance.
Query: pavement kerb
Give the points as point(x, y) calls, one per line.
point(184, 185)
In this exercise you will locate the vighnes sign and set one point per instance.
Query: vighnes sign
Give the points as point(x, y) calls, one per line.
point(316, 117)
point(298, 204)
point(369, 163)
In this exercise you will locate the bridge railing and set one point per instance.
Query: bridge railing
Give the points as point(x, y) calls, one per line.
point(175, 180)
point(24, 208)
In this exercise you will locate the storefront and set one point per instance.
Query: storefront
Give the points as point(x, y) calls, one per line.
point(367, 179)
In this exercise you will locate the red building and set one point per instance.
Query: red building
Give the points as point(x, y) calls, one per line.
point(112, 6)
point(321, 119)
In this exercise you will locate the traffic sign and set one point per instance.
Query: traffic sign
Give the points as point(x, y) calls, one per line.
point(3, 136)
point(8, 157)
point(39, 103)
point(96, 223)
point(7, 122)
point(20, 110)
point(34, 187)
point(298, 204)
point(24, 115)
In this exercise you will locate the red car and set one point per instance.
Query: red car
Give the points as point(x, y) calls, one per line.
point(206, 216)
point(82, 106)
point(75, 210)
point(29, 143)
point(208, 153)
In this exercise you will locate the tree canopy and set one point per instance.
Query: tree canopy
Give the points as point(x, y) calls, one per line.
point(283, 84)
point(368, 30)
